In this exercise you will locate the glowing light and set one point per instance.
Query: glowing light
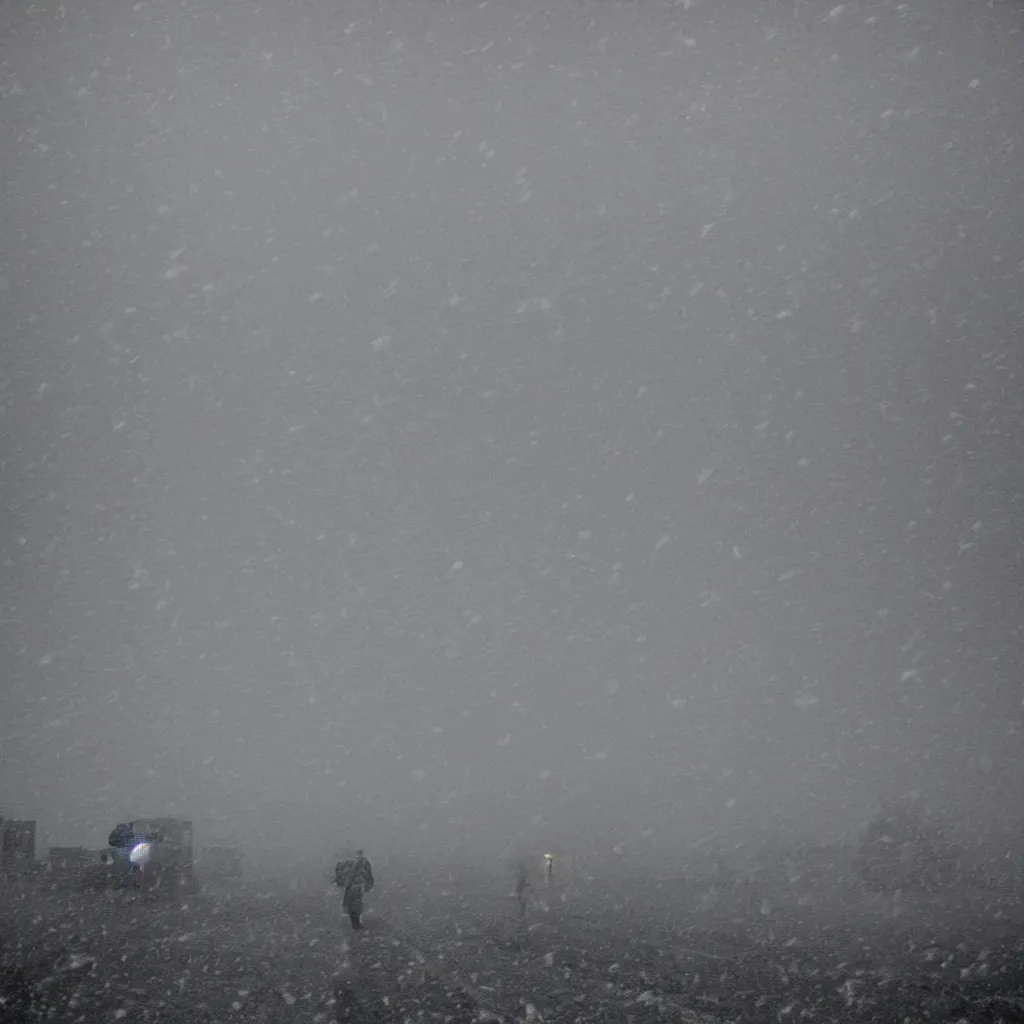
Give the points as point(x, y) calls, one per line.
point(141, 854)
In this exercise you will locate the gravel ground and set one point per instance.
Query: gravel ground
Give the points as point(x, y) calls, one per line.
point(437, 951)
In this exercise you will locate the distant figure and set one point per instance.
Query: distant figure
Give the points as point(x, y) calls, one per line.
point(549, 868)
point(522, 887)
point(355, 878)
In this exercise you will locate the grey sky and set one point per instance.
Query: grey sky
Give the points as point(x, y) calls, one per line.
point(425, 418)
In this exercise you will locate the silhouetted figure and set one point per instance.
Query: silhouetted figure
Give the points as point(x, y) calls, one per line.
point(355, 877)
point(522, 886)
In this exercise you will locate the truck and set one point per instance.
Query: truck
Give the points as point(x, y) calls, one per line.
point(151, 853)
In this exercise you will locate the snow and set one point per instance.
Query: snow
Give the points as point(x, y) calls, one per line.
point(704, 277)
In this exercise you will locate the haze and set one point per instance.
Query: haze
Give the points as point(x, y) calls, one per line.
point(438, 427)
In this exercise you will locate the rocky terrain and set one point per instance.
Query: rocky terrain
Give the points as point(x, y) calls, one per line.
point(454, 949)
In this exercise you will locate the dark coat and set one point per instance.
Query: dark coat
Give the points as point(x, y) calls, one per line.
point(355, 877)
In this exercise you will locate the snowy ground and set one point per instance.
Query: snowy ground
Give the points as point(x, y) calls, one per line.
point(457, 951)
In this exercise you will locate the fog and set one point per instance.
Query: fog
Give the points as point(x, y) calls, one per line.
point(451, 427)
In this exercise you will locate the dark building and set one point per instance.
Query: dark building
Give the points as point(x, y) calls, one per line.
point(17, 846)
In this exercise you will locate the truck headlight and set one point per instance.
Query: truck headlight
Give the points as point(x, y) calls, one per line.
point(141, 854)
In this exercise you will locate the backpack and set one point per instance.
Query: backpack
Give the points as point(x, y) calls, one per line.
point(342, 871)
